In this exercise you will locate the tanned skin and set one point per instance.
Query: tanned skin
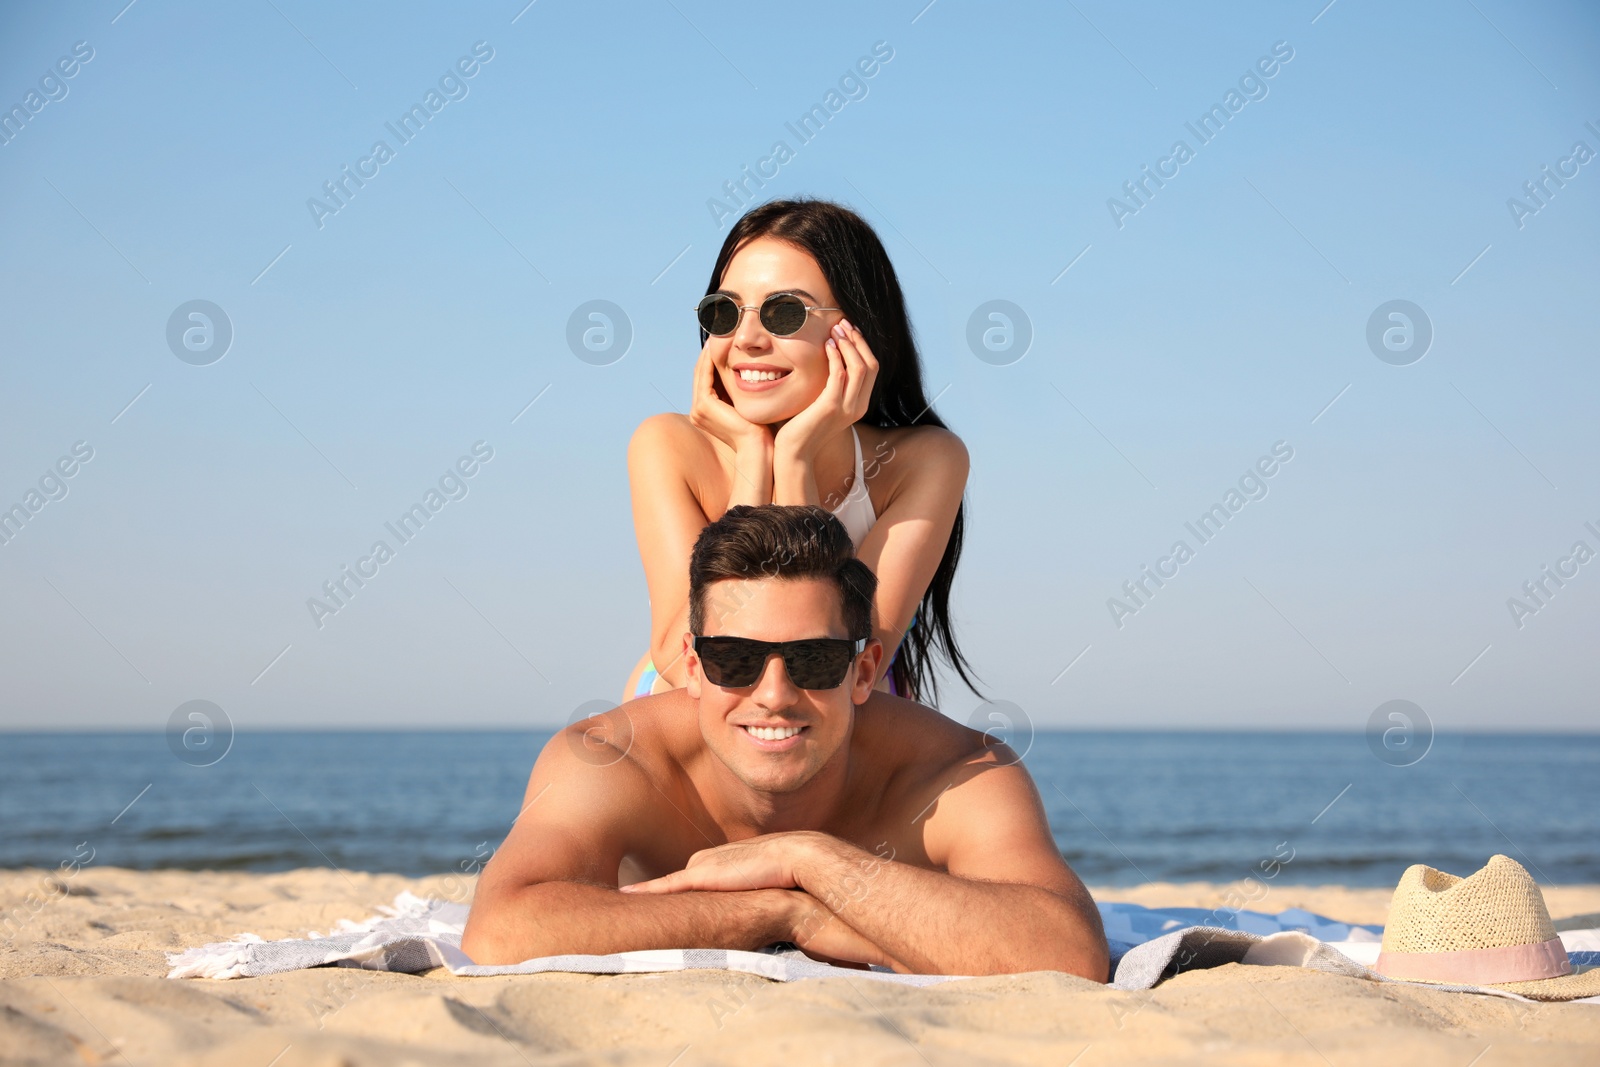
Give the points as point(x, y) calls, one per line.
point(883, 833)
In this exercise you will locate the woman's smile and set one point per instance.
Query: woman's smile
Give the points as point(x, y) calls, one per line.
point(758, 377)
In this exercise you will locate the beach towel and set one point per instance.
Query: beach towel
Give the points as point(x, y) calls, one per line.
point(1147, 946)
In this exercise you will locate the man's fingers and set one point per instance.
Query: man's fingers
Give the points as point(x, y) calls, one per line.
point(713, 877)
point(681, 882)
point(664, 884)
point(654, 886)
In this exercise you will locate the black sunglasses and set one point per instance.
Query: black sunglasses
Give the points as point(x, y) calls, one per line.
point(815, 663)
point(783, 314)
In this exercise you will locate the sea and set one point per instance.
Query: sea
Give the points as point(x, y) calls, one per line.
point(1125, 808)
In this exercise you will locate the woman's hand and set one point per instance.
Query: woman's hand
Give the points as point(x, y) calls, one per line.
point(711, 412)
point(852, 370)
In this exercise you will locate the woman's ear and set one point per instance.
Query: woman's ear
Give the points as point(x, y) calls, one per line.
point(866, 671)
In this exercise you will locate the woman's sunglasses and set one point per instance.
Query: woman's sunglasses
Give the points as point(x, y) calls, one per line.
point(783, 314)
point(816, 663)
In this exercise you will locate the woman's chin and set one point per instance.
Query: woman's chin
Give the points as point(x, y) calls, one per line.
point(766, 412)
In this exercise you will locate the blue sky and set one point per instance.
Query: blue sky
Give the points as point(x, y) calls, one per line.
point(579, 161)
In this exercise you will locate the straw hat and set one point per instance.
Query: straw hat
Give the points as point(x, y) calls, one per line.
point(1490, 929)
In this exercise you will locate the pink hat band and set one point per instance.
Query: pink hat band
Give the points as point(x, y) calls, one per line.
point(1479, 966)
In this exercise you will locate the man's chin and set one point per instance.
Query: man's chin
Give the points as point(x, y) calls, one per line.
point(775, 784)
point(769, 765)
point(772, 776)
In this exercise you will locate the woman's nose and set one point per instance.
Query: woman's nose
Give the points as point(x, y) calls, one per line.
point(750, 333)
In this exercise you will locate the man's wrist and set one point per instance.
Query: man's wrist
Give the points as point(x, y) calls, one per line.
point(781, 914)
point(812, 855)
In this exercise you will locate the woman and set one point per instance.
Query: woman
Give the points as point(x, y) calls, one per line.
point(808, 390)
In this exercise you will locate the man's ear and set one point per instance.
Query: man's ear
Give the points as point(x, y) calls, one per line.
point(691, 667)
point(865, 675)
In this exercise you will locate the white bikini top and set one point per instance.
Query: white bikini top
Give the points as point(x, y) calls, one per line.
point(855, 511)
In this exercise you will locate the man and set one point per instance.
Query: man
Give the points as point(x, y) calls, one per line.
point(779, 797)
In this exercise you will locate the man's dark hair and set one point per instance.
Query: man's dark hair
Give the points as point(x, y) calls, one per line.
point(781, 541)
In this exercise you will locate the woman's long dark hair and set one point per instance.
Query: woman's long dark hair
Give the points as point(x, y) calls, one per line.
point(864, 284)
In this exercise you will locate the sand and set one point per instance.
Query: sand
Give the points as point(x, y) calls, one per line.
point(82, 983)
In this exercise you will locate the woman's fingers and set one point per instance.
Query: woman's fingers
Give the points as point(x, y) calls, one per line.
point(704, 374)
point(702, 402)
point(702, 379)
point(838, 374)
point(847, 348)
point(709, 411)
point(863, 369)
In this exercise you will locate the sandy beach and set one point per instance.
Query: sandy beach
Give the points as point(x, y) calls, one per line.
point(82, 983)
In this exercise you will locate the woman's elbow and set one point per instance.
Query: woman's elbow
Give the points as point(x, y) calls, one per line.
point(666, 655)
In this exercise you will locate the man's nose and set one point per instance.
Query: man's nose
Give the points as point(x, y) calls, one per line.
point(774, 690)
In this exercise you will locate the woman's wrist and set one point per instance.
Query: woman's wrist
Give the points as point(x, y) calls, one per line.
point(756, 445)
point(752, 471)
point(792, 451)
point(793, 480)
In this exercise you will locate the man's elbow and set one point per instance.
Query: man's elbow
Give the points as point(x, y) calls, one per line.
point(1087, 954)
point(485, 949)
point(489, 939)
point(1091, 962)
point(1078, 948)
point(1070, 939)
point(1077, 961)
point(485, 942)
point(1081, 961)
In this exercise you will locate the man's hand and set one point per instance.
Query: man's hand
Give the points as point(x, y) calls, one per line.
point(772, 861)
point(765, 862)
point(824, 936)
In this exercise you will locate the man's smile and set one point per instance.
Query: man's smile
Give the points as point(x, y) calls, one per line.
point(775, 738)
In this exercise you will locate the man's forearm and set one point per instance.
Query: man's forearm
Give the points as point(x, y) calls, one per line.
point(560, 918)
point(936, 923)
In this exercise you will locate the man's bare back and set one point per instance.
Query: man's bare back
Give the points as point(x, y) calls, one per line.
point(863, 827)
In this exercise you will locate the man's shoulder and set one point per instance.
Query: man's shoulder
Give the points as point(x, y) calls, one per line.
point(910, 742)
point(963, 792)
point(644, 728)
point(634, 745)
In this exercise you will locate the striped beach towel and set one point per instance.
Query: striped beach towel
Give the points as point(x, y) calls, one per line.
point(1147, 945)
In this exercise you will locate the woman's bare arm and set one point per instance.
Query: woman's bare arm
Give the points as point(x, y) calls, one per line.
point(667, 518)
point(907, 542)
point(925, 470)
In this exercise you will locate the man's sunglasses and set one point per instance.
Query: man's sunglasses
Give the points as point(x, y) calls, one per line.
point(815, 663)
point(783, 314)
